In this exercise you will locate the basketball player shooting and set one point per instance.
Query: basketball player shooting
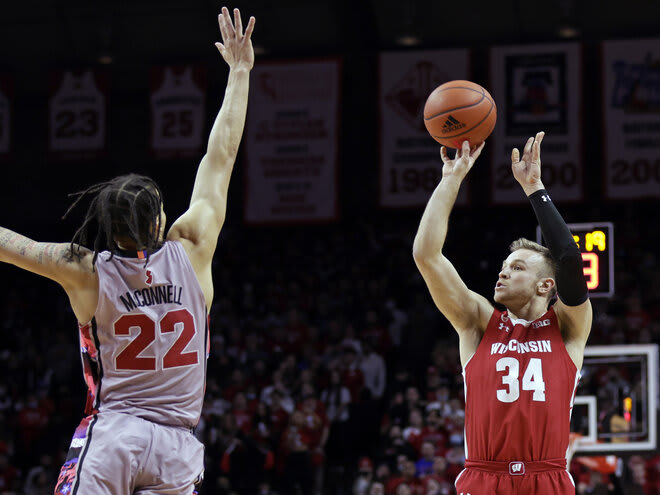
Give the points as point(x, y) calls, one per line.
point(521, 366)
point(142, 299)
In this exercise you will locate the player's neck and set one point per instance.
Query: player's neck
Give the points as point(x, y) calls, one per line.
point(529, 312)
point(128, 244)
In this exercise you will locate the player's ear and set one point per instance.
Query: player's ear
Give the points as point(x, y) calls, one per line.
point(545, 286)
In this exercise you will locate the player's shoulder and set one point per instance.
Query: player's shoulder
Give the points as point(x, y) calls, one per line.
point(76, 256)
point(75, 267)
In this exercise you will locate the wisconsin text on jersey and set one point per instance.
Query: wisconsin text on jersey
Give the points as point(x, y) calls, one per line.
point(521, 347)
point(160, 294)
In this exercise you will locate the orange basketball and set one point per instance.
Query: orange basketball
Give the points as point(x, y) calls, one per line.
point(460, 110)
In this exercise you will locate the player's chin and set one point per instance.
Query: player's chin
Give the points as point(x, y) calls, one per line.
point(498, 296)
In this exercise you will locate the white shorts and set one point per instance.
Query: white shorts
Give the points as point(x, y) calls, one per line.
point(117, 454)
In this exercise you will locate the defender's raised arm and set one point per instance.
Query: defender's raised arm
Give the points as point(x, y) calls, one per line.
point(202, 222)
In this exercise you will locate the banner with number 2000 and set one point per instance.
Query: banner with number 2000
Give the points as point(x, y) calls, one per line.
point(632, 118)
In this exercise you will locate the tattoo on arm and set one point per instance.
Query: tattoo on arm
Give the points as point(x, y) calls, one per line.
point(51, 253)
point(8, 238)
point(26, 246)
point(42, 253)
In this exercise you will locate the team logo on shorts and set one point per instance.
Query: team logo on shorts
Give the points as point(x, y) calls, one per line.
point(150, 277)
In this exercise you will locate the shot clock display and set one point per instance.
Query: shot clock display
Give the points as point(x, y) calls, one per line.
point(596, 243)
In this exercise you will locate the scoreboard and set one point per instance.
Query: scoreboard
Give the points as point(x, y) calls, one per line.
point(596, 243)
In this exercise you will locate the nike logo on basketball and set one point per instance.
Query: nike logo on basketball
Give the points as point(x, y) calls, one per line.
point(452, 125)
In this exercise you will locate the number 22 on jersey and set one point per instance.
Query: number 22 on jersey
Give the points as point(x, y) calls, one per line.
point(129, 358)
point(532, 379)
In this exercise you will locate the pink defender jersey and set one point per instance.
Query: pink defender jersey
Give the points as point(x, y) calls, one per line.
point(519, 391)
point(144, 352)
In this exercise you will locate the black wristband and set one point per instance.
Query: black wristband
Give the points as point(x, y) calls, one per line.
point(571, 284)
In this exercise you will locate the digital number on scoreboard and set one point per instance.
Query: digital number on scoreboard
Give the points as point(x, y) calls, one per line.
point(596, 243)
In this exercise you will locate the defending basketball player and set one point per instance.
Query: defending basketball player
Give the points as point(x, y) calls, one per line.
point(142, 299)
point(520, 366)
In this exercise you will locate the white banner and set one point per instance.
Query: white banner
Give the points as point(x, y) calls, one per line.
point(631, 102)
point(291, 142)
point(177, 103)
point(77, 114)
point(538, 88)
point(410, 164)
point(6, 90)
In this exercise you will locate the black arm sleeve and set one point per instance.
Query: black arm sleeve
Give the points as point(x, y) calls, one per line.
point(571, 284)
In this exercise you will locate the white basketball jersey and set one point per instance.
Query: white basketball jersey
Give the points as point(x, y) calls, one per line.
point(144, 352)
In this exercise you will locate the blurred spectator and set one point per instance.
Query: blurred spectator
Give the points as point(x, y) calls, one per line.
point(412, 433)
point(364, 478)
point(352, 376)
point(398, 321)
point(295, 451)
point(265, 489)
point(8, 474)
point(439, 475)
point(317, 426)
point(337, 399)
point(375, 333)
point(279, 416)
point(241, 413)
point(297, 331)
point(374, 370)
point(396, 446)
point(376, 488)
point(424, 464)
point(238, 383)
point(284, 397)
point(434, 431)
point(406, 477)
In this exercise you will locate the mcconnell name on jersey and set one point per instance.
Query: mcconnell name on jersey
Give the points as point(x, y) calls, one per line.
point(160, 294)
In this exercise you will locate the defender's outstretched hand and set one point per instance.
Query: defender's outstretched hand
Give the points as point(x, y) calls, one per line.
point(527, 170)
point(462, 162)
point(236, 47)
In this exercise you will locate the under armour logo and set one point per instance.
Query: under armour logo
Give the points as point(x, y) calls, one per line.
point(502, 326)
point(545, 198)
point(150, 277)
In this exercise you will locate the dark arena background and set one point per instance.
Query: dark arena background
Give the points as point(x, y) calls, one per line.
point(318, 304)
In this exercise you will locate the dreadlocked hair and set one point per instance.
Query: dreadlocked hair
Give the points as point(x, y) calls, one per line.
point(127, 206)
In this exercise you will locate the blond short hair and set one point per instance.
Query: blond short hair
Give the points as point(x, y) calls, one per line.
point(551, 271)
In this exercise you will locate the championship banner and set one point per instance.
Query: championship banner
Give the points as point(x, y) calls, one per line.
point(6, 96)
point(538, 88)
point(410, 164)
point(291, 142)
point(77, 114)
point(631, 112)
point(177, 107)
